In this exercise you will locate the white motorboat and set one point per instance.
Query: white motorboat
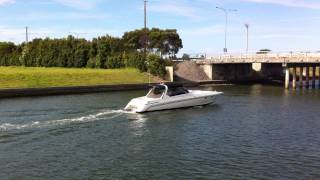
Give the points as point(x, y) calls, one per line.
point(164, 97)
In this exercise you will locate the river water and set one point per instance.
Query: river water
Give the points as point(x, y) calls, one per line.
point(252, 132)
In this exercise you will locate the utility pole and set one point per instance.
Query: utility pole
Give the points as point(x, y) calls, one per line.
point(145, 40)
point(247, 28)
point(145, 28)
point(27, 35)
point(226, 11)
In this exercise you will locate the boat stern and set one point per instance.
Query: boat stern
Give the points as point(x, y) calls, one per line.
point(137, 105)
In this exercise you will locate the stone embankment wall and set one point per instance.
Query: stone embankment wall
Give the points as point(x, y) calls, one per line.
point(189, 71)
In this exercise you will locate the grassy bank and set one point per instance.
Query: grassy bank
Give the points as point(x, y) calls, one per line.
point(23, 77)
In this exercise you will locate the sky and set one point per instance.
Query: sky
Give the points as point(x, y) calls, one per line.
point(279, 25)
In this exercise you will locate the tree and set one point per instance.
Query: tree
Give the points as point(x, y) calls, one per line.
point(186, 56)
point(6, 51)
point(102, 52)
point(169, 43)
point(166, 42)
point(107, 46)
point(133, 40)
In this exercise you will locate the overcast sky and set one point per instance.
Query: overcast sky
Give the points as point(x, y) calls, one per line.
point(280, 25)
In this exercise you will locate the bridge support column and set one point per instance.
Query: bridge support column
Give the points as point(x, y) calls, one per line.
point(313, 77)
point(294, 81)
point(301, 77)
point(169, 74)
point(208, 70)
point(319, 77)
point(287, 80)
point(307, 77)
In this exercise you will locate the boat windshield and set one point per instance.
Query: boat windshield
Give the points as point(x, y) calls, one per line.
point(156, 92)
point(176, 91)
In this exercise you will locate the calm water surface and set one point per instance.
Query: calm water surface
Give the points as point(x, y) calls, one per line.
point(253, 132)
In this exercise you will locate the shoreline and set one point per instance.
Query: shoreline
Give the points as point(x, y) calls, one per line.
point(53, 91)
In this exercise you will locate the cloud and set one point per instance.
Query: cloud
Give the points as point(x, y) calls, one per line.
point(203, 31)
point(39, 16)
point(12, 34)
point(290, 3)
point(175, 8)
point(79, 4)
point(280, 36)
point(4, 2)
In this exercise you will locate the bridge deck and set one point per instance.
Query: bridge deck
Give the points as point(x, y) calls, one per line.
point(262, 58)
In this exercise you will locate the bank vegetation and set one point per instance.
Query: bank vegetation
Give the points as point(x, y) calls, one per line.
point(105, 52)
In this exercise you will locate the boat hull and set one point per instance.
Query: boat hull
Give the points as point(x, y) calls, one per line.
point(181, 104)
point(194, 98)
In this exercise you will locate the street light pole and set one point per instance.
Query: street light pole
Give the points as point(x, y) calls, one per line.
point(226, 11)
point(247, 28)
point(27, 35)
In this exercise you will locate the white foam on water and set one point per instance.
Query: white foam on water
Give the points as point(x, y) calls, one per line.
point(83, 119)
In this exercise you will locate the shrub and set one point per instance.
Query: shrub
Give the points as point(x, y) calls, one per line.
point(136, 60)
point(91, 63)
point(156, 65)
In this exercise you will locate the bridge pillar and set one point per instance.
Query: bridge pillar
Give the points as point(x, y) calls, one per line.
point(257, 67)
point(301, 77)
point(319, 77)
point(169, 74)
point(208, 70)
point(307, 77)
point(287, 80)
point(294, 81)
point(313, 77)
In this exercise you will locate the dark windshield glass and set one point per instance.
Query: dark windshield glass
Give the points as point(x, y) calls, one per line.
point(177, 91)
point(156, 92)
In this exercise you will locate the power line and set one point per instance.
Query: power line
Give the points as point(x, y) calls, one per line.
point(77, 34)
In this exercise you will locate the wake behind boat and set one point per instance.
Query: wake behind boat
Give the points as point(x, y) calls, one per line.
point(164, 97)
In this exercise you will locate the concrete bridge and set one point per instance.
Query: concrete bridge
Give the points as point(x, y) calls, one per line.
point(302, 67)
point(291, 57)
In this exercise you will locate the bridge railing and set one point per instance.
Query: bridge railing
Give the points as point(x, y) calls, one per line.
point(267, 57)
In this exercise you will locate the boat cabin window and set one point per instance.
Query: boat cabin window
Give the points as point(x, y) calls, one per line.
point(156, 92)
point(176, 91)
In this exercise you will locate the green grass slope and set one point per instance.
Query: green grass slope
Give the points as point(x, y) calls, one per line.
point(32, 77)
